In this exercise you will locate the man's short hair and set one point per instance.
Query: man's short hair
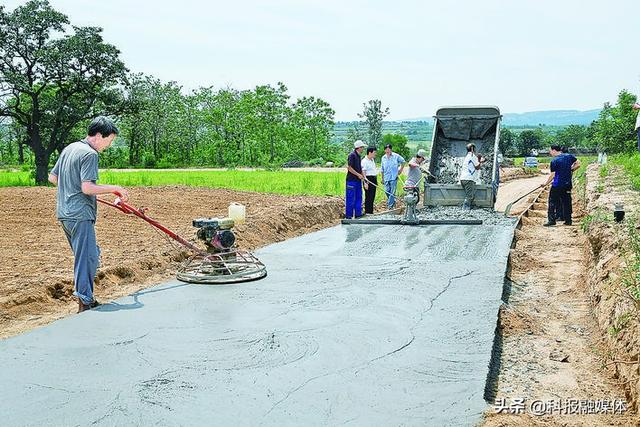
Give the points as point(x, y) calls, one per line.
point(556, 148)
point(388, 146)
point(371, 149)
point(565, 149)
point(471, 147)
point(102, 125)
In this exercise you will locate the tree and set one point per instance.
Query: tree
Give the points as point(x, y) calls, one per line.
point(529, 140)
point(399, 144)
point(373, 115)
point(614, 128)
point(51, 80)
point(507, 141)
point(572, 136)
point(313, 119)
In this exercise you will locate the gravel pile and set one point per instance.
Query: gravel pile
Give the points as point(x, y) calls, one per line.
point(487, 216)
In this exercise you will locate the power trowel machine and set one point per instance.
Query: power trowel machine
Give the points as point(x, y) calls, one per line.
point(220, 263)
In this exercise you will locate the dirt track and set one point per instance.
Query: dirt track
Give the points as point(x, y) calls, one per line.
point(551, 349)
point(36, 264)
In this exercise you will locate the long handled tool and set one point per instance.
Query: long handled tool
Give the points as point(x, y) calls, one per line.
point(508, 208)
point(220, 263)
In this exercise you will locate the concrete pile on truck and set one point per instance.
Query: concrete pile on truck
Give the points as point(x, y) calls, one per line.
point(453, 129)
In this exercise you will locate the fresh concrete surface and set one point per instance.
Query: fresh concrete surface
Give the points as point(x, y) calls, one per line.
point(356, 324)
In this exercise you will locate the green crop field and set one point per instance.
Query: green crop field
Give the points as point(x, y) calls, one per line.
point(263, 181)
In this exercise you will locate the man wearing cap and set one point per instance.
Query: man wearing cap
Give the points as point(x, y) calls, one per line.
point(353, 200)
point(417, 166)
point(470, 175)
point(391, 165)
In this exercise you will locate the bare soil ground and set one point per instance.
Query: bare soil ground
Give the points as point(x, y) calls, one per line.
point(552, 349)
point(614, 275)
point(512, 173)
point(36, 263)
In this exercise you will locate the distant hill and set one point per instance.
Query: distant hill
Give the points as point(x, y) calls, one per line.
point(548, 118)
point(551, 118)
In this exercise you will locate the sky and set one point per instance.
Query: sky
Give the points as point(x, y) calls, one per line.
point(521, 55)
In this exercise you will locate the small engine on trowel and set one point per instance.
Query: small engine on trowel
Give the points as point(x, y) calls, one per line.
point(215, 233)
point(223, 263)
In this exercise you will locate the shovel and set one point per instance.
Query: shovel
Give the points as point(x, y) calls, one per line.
point(508, 208)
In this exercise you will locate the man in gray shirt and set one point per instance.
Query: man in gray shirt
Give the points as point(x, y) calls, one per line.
point(75, 173)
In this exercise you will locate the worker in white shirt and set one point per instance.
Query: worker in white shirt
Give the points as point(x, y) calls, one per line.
point(370, 171)
point(470, 175)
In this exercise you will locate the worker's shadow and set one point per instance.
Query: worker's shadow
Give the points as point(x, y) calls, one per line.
point(116, 306)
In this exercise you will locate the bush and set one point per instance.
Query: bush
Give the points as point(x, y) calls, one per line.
point(149, 161)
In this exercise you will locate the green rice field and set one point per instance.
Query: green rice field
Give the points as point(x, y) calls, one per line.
point(263, 181)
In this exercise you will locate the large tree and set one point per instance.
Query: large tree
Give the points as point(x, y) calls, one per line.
point(53, 78)
point(614, 129)
point(373, 115)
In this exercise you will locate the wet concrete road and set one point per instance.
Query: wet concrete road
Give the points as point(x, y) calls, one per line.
point(356, 324)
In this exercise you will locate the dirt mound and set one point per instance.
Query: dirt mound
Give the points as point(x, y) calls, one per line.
point(613, 276)
point(36, 264)
point(511, 173)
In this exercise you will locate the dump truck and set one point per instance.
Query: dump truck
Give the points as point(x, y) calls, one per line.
point(453, 129)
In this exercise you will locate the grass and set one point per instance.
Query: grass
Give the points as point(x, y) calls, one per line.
point(630, 165)
point(10, 178)
point(262, 181)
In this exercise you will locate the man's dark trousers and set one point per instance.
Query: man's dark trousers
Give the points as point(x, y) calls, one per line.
point(559, 197)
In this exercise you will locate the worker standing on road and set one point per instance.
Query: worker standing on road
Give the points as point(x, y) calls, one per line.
point(391, 166)
point(470, 175)
point(562, 167)
point(371, 179)
point(353, 200)
point(75, 173)
point(417, 166)
point(636, 106)
point(559, 212)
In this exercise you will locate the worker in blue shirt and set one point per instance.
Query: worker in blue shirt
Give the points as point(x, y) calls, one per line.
point(562, 167)
point(559, 213)
point(391, 165)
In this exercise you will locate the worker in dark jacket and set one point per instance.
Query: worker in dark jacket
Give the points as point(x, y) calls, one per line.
point(562, 167)
point(353, 201)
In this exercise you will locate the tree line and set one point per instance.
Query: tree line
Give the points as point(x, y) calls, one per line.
point(612, 132)
point(55, 78)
